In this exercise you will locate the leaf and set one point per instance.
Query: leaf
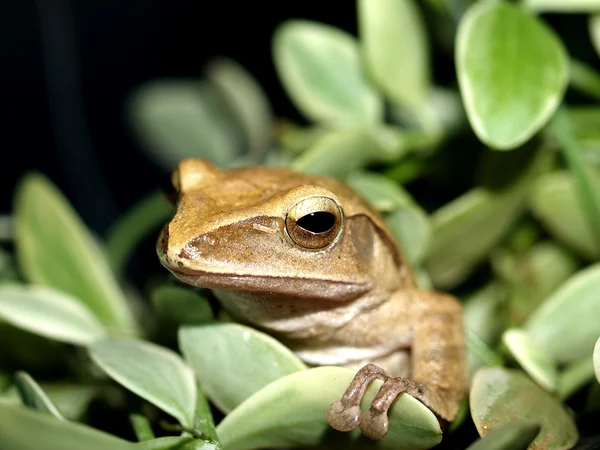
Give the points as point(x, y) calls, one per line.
point(180, 305)
point(410, 225)
point(597, 360)
point(555, 202)
point(395, 49)
point(562, 6)
point(484, 311)
point(538, 364)
point(175, 443)
point(153, 372)
point(575, 376)
point(175, 120)
point(49, 313)
point(23, 429)
point(139, 222)
point(290, 412)
point(55, 249)
point(233, 361)
point(584, 78)
point(512, 72)
point(501, 396)
point(513, 436)
point(565, 325)
point(319, 66)
point(247, 101)
point(594, 26)
point(34, 397)
point(380, 191)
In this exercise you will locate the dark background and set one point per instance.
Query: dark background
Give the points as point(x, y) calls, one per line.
point(67, 67)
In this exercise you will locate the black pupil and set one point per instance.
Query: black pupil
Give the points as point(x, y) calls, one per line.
point(317, 222)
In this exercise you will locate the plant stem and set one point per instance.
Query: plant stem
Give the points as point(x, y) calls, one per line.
point(141, 427)
point(193, 431)
point(585, 79)
point(590, 198)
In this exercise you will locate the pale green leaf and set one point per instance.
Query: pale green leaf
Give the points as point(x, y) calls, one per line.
point(290, 412)
point(566, 325)
point(155, 373)
point(512, 71)
point(319, 67)
point(513, 436)
point(50, 313)
point(501, 396)
point(233, 361)
point(33, 396)
point(594, 26)
point(55, 249)
point(395, 49)
point(563, 6)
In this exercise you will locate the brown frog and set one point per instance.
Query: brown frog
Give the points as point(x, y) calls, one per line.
point(306, 260)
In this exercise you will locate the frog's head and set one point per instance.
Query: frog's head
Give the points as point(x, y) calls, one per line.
point(273, 231)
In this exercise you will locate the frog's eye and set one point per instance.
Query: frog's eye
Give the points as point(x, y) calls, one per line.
point(171, 187)
point(314, 222)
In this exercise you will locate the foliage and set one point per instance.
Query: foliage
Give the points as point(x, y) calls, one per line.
point(489, 181)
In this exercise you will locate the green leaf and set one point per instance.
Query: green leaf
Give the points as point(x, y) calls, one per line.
point(337, 153)
point(537, 363)
point(24, 429)
point(290, 412)
point(566, 325)
point(49, 313)
point(55, 249)
point(180, 119)
point(141, 427)
point(34, 397)
point(175, 443)
point(501, 396)
point(139, 222)
point(512, 71)
point(513, 436)
point(233, 361)
point(6, 228)
point(410, 225)
point(247, 102)
point(556, 203)
point(395, 49)
point(153, 372)
point(574, 377)
point(597, 360)
point(381, 192)
point(585, 79)
point(563, 6)
point(484, 310)
point(319, 67)
point(180, 305)
point(594, 26)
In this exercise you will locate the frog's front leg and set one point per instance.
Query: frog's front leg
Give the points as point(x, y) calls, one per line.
point(438, 365)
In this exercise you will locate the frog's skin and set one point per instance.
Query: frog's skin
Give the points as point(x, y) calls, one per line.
point(341, 295)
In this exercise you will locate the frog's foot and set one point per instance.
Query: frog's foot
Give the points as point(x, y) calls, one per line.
point(345, 415)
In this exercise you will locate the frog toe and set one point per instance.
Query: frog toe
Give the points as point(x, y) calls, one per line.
point(343, 416)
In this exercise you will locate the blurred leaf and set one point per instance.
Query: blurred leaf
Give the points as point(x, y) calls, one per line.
point(319, 66)
point(586, 125)
point(563, 6)
point(247, 101)
point(597, 360)
point(153, 372)
point(395, 49)
point(479, 353)
point(410, 225)
point(141, 427)
point(337, 153)
point(538, 364)
point(34, 397)
point(556, 203)
point(6, 228)
point(24, 429)
point(182, 119)
point(382, 193)
point(588, 193)
point(290, 412)
point(55, 249)
point(50, 313)
point(484, 311)
point(180, 305)
point(141, 220)
point(574, 377)
point(585, 79)
point(506, 101)
point(501, 396)
point(565, 325)
point(532, 275)
point(594, 26)
point(203, 419)
point(233, 361)
point(512, 436)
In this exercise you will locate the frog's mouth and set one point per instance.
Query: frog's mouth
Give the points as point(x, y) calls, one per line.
point(271, 285)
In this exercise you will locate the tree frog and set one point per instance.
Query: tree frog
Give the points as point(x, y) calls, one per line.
point(306, 260)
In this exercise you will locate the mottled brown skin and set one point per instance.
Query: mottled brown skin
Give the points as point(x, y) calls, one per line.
point(343, 296)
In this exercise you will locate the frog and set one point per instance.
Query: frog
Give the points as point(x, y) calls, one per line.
point(307, 260)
